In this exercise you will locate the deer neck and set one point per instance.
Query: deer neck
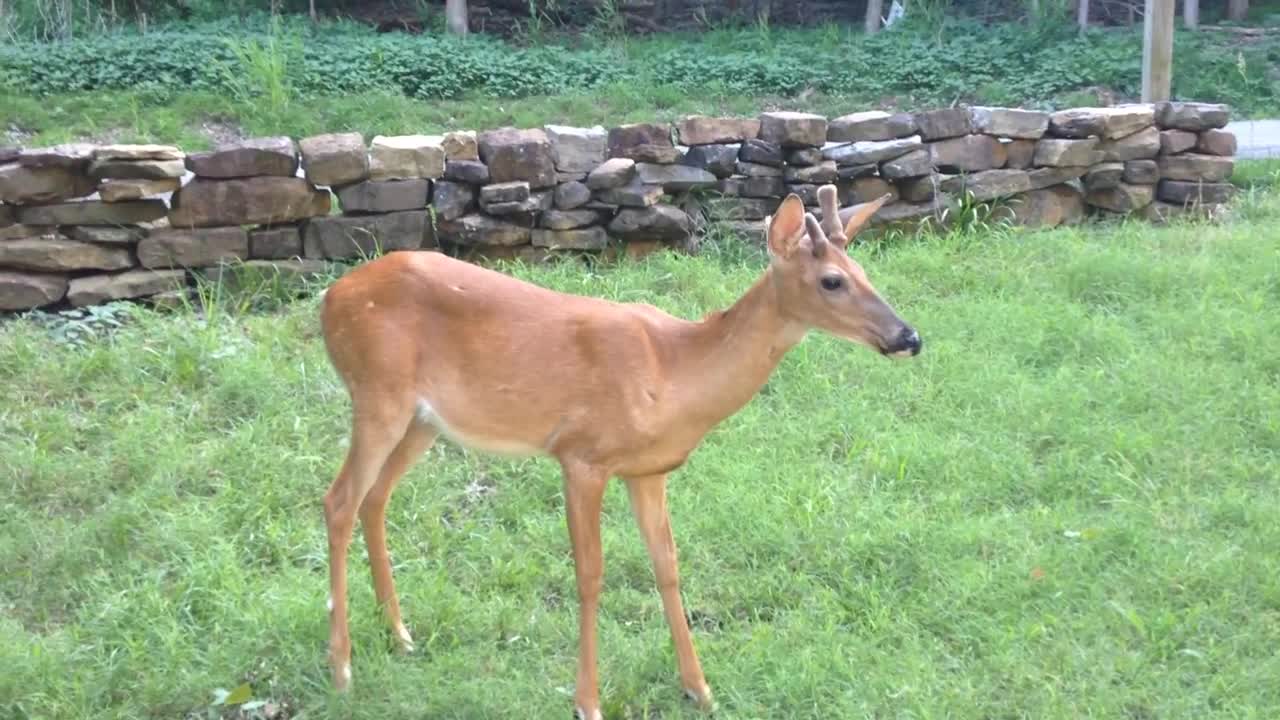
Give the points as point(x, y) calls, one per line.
point(727, 357)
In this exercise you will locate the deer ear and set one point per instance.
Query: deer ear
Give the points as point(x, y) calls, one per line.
point(786, 227)
point(860, 214)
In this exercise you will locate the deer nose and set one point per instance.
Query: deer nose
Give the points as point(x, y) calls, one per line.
point(908, 343)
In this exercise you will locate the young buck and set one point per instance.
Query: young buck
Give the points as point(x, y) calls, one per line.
point(427, 346)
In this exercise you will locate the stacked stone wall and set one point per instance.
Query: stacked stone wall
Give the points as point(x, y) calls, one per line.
point(81, 224)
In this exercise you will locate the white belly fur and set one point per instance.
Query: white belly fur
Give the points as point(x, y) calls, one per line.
point(427, 415)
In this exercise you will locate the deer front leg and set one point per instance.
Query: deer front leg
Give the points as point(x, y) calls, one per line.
point(584, 492)
point(649, 505)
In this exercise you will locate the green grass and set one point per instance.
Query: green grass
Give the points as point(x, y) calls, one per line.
point(1064, 508)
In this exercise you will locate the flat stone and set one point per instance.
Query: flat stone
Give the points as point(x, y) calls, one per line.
point(137, 152)
point(27, 291)
point(99, 289)
point(570, 219)
point(1173, 142)
point(804, 157)
point(378, 196)
point(452, 200)
point(105, 234)
point(577, 150)
point(1122, 198)
point(589, 238)
point(406, 157)
point(1077, 123)
point(505, 192)
point(862, 153)
point(9, 153)
point(137, 169)
point(335, 159)
point(863, 190)
point(1194, 167)
point(1018, 153)
point(21, 185)
point(921, 189)
point(761, 152)
point(793, 129)
point(1141, 172)
point(19, 231)
point(70, 156)
point(1052, 152)
point(1046, 177)
point(247, 201)
point(564, 177)
point(1104, 176)
point(737, 209)
point(750, 169)
point(1192, 116)
point(659, 222)
point(969, 153)
point(123, 190)
point(93, 212)
point(460, 145)
point(473, 172)
point(277, 155)
point(989, 184)
point(194, 247)
point(943, 124)
point(1009, 122)
point(643, 142)
point(719, 160)
point(1141, 145)
point(1124, 120)
point(874, 125)
point(1216, 142)
point(52, 253)
point(1182, 192)
point(853, 172)
point(1045, 208)
point(571, 195)
point(275, 243)
point(674, 178)
point(514, 155)
point(756, 187)
point(635, 194)
point(484, 230)
point(536, 202)
point(336, 237)
point(701, 130)
point(612, 173)
point(6, 215)
point(824, 172)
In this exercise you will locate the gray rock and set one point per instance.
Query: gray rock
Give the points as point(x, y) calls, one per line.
point(98, 289)
point(275, 243)
point(969, 153)
point(1188, 166)
point(737, 209)
point(1141, 145)
point(535, 203)
point(1182, 192)
point(589, 238)
point(1173, 142)
point(701, 130)
point(1077, 123)
point(1122, 198)
point(757, 187)
point(643, 142)
point(761, 152)
point(93, 212)
point(943, 124)
point(793, 129)
point(247, 201)
point(1046, 208)
point(70, 156)
point(577, 150)
point(825, 172)
point(1193, 116)
point(20, 185)
point(137, 152)
point(853, 172)
point(862, 153)
point(1052, 152)
point(26, 291)
point(452, 200)
point(106, 234)
point(635, 194)
point(571, 195)
point(570, 219)
point(1049, 176)
point(518, 155)
point(988, 184)
point(466, 171)
point(52, 253)
point(379, 196)
point(1216, 142)
point(1104, 176)
point(193, 247)
point(674, 178)
point(484, 230)
point(247, 158)
point(1019, 153)
point(862, 190)
point(719, 160)
point(406, 157)
point(921, 189)
point(807, 192)
point(337, 237)
point(750, 169)
point(659, 222)
point(504, 193)
point(125, 190)
point(874, 125)
point(1141, 172)
point(335, 159)
point(137, 169)
point(1009, 122)
point(612, 173)
point(804, 157)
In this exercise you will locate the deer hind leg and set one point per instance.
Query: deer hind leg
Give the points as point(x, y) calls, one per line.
point(649, 505)
point(376, 430)
point(373, 521)
point(584, 493)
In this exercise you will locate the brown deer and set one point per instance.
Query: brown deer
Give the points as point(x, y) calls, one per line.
point(428, 345)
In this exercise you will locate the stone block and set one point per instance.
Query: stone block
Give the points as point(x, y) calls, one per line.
point(266, 200)
point(99, 289)
point(824, 172)
point(1009, 122)
point(874, 125)
point(674, 178)
point(275, 243)
point(406, 157)
point(969, 153)
point(125, 190)
point(337, 237)
point(658, 222)
point(943, 124)
point(1141, 145)
point(193, 247)
point(756, 187)
point(452, 200)
point(484, 230)
point(793, 129)
point(701, 130)
point(21, 185)
point(1052, 152)
point(335, 159)
point(1192, 116)
point(643, 142)
point(577, 150)
point(53, 253)
point(1123, 198)
point(1216, 142)
point(761, 152)
point(571, 195)
point(1194, 167)
point(379, 196)
point(612, 173)
point(472, 172)
point(1103, 176)
point(1183, 192)
point(719, 160)
point(27, 291)
point(93, 212)
point(862, 153)
point(277, 155)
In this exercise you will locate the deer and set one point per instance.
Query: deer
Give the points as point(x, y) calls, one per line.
point(428, 345)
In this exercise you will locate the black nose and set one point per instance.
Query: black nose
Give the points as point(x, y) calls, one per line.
point(908, 341)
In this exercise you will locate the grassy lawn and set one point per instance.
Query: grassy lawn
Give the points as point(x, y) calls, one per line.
point(1065, 507)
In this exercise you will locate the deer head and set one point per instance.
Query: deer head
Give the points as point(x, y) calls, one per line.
point(821, 287)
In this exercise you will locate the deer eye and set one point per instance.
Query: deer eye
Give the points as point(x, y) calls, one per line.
point(832, 283)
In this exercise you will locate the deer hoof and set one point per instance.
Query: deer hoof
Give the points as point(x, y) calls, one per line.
point(342, 677)
point(581, 714)
point(404, 641)
point(702, 698)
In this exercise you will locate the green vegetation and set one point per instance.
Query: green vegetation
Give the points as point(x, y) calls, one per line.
point(1064, 508)
point(297, 78)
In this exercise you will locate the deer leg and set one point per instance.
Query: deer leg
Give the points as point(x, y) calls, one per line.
point(584, 493)
point(373, 521)
point(649, 505)
point(375, 432)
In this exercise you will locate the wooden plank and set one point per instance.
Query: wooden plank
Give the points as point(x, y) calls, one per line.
point(1157, 50)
